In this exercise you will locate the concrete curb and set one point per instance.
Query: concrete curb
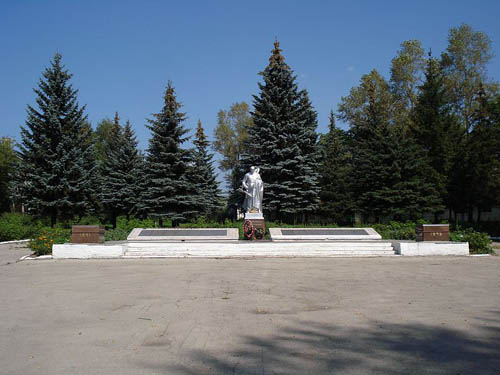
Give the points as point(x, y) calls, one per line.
point(12, 242)
point(30, 257)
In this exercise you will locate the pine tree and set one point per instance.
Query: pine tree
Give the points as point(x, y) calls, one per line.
point(118, 171)
point(282, 142)
point(57, 159)
point(336, 203)
point(204, 171)
point(169, 191)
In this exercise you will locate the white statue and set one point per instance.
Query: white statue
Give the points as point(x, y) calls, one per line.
point(253, 188)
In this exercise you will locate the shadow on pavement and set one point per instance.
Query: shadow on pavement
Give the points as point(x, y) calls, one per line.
point(304, 347)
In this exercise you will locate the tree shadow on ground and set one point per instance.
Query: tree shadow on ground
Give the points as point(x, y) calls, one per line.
point(305, 347)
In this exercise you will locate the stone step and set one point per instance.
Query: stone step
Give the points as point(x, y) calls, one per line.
point(264, 249)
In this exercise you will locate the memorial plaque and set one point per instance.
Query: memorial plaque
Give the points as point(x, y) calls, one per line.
point(433, 232)
point(186, 233)
point(183, 234)
point(324, 232)
point(333, 234)
point(87, 234)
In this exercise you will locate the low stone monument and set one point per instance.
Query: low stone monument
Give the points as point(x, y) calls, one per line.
point(252, 186)
point(433, 232)
point(87, 234)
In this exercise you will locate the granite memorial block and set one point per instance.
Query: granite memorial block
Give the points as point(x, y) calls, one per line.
point(87, 234)
point(433, 232)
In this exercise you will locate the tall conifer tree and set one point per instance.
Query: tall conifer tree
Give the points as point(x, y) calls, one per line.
point(282, 142)
point(57, 159)
point(390, 171)
point(204, 172)
point(169, 191)
point(336, 163)
point(119, 171)
point(435, 128)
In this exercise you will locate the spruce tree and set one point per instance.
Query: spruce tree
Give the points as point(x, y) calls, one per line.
point(390, 172)
point(282, 142)
point(435, 128)
point(204, 172)
point(8, 161)
point(336, 203)
point(480, 163)
point(169, 191)
point(118, 171)
point(57, 159)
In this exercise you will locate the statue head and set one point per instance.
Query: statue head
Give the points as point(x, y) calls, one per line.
point(252, 169)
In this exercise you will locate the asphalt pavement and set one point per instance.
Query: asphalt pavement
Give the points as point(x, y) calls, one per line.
point(393, 315)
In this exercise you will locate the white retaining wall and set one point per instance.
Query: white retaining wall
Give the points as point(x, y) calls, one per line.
point(86, 251)
point(431, 248)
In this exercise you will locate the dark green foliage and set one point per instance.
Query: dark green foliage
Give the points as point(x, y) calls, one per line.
point(14, 226)
point(336, 203)
point(435, 128)
point(119, 171)
point(390, 172)
point(479, 242)
point(101, 137)
point(397, 230)
point(168, 186)
point(57, 162)
point(476, 178)
point(204, 173)
point(8, 160)
point(282, 142)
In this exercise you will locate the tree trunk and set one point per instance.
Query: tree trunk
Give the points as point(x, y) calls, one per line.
point(160, 222)
point(53, 217)
point(113, 220)
point(470, 214)
point(478, 220)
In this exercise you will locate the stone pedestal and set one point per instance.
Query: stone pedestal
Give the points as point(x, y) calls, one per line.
point(258, 223)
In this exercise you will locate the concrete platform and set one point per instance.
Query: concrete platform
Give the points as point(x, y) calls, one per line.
point(258, 249)
point(325, 234)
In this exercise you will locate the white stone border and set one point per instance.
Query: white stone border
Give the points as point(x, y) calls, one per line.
point(87, 251)
point(277, 235)
point(13, 242)
point(232, 234)
point(426, 248)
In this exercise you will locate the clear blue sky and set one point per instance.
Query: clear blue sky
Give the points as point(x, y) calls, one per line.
point(123, 52)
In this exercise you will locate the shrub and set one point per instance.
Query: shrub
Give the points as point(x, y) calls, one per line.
point(127, 225)
point(14, 226)
point(117, 234)
point(396, 230)
point(479, 242)
point(41, 243)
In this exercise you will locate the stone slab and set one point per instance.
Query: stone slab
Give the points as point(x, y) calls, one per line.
point(325, 234)
point(87, 251)
point(254, 216)
point(183, 234)
point(258, 249)
point(431, 248)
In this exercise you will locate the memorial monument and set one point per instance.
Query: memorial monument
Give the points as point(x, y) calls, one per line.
point(253, 187)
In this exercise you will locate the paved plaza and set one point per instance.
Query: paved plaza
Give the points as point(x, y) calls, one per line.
point(392, 315)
